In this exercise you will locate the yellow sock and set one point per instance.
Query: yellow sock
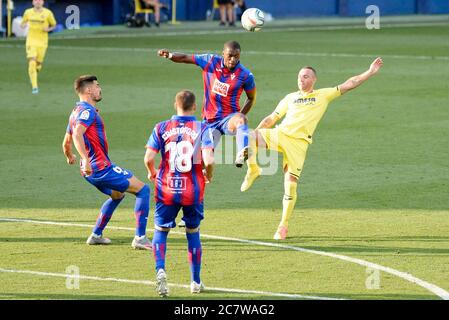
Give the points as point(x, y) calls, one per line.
point(39, 67)
point(288, 203)
point(252, 160)
point(32, 72)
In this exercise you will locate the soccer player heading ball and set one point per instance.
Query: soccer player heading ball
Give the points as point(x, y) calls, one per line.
point(303, 110)
point(224, 80)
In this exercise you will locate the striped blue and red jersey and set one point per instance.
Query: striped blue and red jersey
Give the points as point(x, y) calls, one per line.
point(180, 180)
point(95, 140)
point(222, 87)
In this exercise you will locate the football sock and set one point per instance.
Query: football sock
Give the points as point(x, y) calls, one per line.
point(288, 203)
point(141, 210)
point(159, 248)
point(32, 72)
point(38, 67)
point(252, 160)
point(105, 215)
point(194, 255)
point(242, 137)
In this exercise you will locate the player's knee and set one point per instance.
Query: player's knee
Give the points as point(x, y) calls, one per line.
point(161, 228)
point(192, 230)
point(144, 192)
point(240, 119)
point(116, 195)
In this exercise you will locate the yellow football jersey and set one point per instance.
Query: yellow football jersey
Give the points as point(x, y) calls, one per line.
point(37, 22)
point(303, 111)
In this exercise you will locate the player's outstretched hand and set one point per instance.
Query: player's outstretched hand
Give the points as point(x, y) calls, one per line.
point(163, 53)
point(376, 65)
point(71, 159)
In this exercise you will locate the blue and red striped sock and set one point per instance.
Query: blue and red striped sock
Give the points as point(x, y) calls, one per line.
point(159, 248)
point(242, 137)
point(105, 215)
point(194, 255)
point(141, 210)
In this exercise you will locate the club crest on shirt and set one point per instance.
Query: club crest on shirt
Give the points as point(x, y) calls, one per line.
point(85, 115)
point(220, 88)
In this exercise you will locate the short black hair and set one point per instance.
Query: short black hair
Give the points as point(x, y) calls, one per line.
point(82, 81)
point(233, 45)
point(185, 99)
point(310, 68)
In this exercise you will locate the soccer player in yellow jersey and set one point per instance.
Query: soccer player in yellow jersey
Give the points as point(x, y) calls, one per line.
point(303, 110)
point(40, 21)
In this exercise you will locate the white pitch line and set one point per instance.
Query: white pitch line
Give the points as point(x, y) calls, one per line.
point(303, 28)
point(443, 294)
point(251, 52)
point(151, 283)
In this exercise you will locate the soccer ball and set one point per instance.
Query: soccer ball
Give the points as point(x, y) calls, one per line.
point(253, 19)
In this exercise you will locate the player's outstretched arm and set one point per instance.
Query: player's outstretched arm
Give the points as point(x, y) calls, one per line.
point(209, 161)
point(67, 148)
point(148, 160)
point(356, 81)
point(176, 56)
point(78, 141)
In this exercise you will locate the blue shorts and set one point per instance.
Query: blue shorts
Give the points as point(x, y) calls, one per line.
point(110, 178)
point(220, 128)
point(165, 215)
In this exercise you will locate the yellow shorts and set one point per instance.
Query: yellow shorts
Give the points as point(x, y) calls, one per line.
point(36, 52)
point(294, 150)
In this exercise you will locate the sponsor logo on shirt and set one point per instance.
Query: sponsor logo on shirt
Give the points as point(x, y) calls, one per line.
point(306, 101)
point(85, 115)
point(176, 184)
point(220, 88)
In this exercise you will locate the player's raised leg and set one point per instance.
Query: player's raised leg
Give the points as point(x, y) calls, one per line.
point(239, 124)
point(254, 171)
point(141, 210)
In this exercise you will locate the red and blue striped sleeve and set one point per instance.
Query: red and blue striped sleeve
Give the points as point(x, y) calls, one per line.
point(85, 117)
point(154, 140)
point(249, 84)
point(202, 60)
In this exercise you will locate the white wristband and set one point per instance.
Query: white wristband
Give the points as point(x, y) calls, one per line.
point(170, 55)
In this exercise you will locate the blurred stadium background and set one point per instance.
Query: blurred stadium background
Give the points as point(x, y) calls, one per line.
point(110, 12)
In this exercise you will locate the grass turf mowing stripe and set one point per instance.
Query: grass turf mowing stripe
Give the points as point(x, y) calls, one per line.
point(268, 53)
point(443, 294)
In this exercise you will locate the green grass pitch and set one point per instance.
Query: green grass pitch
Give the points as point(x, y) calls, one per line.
point(375, 185)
